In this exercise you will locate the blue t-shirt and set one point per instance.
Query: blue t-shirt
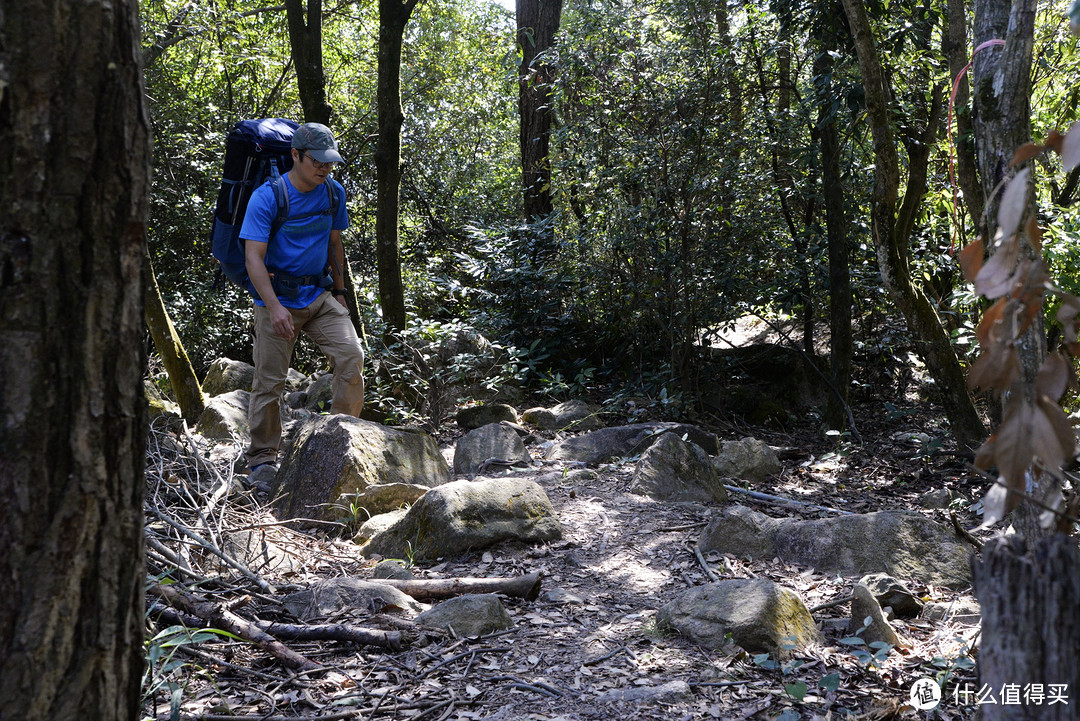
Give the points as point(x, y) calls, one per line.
point(301, 246)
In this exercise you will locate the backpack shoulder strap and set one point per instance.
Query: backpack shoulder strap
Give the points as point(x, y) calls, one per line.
point(281, 196)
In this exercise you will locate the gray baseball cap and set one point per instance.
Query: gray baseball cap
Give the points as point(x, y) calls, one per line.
point(318, 141)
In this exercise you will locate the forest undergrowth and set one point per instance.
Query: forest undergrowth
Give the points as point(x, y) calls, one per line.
point(588, 647)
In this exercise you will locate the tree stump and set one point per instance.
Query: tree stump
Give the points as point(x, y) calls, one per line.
point(1029, 656)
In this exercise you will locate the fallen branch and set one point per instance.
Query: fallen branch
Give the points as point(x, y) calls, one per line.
point(332, 632)
point(527, 587)
point(766, 497)
point(965, 533)
point(216, 616)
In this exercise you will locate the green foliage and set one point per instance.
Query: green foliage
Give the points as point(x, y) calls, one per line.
point(165, 671)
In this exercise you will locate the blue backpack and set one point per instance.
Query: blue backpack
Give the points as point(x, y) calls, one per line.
point(256, 152)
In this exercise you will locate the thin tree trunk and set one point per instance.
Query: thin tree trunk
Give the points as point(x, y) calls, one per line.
point(393, 17)
point(74, 176)
point(954, 46)
point(182, 378)
point(305, 39)
point(832, 189)
point(538, 23)
point(892, 222)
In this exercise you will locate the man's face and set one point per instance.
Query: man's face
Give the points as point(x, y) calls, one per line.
point(311, 171)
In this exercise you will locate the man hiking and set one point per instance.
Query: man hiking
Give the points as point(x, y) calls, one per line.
point(299, 285)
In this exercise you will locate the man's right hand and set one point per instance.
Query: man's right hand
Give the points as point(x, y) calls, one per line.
point(281, 320)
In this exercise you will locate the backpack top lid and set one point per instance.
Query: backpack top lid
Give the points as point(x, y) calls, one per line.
point(272, 135)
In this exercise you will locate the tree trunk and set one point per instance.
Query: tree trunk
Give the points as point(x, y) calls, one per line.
point(393, 17)
point(892, 224)
point(954, 46)
point(305, 38)
point(74, 176)
point(182, 378)
point(832, 189)
point(1029, 593)
point(538, 23)
point(1001, 77)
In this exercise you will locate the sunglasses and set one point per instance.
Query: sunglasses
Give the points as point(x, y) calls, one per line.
point(316, 163)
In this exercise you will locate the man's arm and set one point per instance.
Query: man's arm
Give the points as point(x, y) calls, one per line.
point(255, 258)
point(337, 264)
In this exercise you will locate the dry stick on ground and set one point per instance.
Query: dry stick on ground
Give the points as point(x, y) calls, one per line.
point(258, 580)
point(215, 615)
point(332, 632)
point(766, 497)
point(527, 587)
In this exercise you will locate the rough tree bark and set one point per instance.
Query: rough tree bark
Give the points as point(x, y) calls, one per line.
point(393, 17)
point(892, 222)
point(1029, 593)
point(1027, 583)
point(305, 39)
point(537, 23)
point(74, 175)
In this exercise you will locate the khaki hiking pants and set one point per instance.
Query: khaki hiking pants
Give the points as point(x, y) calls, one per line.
point(327, 323)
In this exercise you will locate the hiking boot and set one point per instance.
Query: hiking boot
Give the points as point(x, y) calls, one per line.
point(262, 476)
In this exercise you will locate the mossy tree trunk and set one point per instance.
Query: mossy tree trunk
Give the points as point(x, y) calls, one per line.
point(892, 220)
point(185, 383)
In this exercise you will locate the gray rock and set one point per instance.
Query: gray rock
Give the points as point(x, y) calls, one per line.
point(938, 498)
point(905, 545)
point(378, 524)
point(889, 592)
point(470, 615)
point(342, 595)
point(393, 569)
point(747, 460)
point(963, 610)
point(626, 441)
point(331, 456)
point(575, 415)
point(474, 417)
point(494, 440)
point(866, 606)
point(760, 615)
point(259, 552)
point(161, 409)
point(670, 692)
point(542, 418)
point(320, 392)
point(466, 516)
point(225, 417)
point(226, 375)
point(385, 497)
point(674, 470)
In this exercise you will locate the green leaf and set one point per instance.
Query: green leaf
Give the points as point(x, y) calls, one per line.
point(796, 690)
point(830, 682)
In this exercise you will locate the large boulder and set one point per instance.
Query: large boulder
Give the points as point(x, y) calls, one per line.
point(625, 441)
point(760, 615)
point(903, 544)
point(331, 456)
point(747, 459)
point(225, 417)
point(674, 470)
point(463, 516)
point(494, 440)
point(227, 375)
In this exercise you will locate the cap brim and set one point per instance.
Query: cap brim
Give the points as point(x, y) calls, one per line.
point(325, 156)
